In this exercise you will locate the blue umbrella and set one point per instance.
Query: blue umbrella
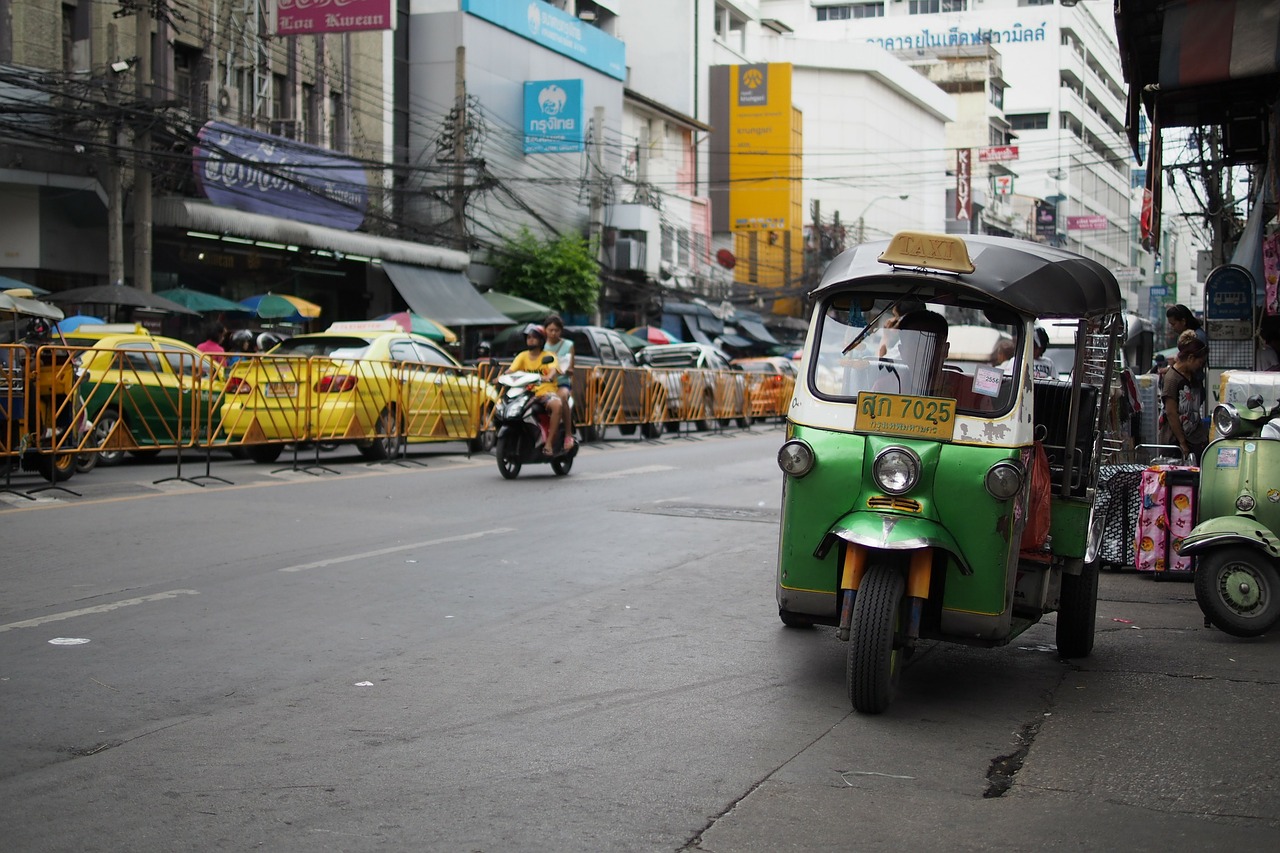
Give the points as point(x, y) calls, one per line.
point(75, 321)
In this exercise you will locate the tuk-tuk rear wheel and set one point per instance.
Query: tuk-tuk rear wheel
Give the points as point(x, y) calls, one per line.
point(1238, 589)
point(1078, 612)
point(56, 467)
point(874, 663)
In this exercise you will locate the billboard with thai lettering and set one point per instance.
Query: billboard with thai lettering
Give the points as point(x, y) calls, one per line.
point(260, 173)
point(307, 17)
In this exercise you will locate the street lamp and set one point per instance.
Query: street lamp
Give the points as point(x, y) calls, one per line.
point(861, 223)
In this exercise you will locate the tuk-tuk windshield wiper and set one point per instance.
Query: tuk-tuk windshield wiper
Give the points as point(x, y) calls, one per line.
point(866, 330)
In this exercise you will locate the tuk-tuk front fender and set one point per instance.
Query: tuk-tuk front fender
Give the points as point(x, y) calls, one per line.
point(888, 532)
point(1230, 530)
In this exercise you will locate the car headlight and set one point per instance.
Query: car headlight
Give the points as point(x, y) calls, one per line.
point(1226, 420)
point(896, 470)
point(1003, 480)
point(795, 458)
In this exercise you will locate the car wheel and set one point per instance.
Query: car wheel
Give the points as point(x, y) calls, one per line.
point(388, 438)
point(483, 442)
point(650, 431)
point(264, 454)
point(627, 429)
point(102, 426)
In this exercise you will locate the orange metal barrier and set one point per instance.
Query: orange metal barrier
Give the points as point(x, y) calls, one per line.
point(622, 397)
point(768, 394)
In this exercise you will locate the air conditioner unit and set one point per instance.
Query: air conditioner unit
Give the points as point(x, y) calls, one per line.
point(628, 254)
point(228, 102)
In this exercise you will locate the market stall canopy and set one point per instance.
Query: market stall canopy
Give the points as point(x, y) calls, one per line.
point(198, 300)
point(419, 325)
point(28, 307)
point(119, 295)
point(280, 306)
point(443, 295)
point(517, 307)
point(752, 325)
point(7, 283)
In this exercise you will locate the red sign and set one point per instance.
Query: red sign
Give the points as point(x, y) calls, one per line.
point(964, 197)
point(998, 154)
point(1087, 223)
point(305, 17)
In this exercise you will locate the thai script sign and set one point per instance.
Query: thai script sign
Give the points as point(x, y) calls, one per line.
point(304, 17)
point(955, 36)
point(553, 120)
point(546, 25)
point(1087, 223)
point(1228, 303)
point(259, 173)
point(998, 154)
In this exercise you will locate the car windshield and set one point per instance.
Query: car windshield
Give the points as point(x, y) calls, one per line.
point(335, 346)
point(866, 344)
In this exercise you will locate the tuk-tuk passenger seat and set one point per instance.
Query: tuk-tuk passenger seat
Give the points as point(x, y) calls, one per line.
point(1052, 410)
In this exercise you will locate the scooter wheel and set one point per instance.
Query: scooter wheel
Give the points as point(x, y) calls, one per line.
point(508, 454)
point(1238, 589)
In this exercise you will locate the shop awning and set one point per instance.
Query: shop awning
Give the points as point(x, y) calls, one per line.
point(698, 335)
point(443, 295)
point(755, 329)
point(729, 339)
point(202, 219)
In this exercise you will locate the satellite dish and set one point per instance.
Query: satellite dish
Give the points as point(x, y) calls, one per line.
point(726, 259)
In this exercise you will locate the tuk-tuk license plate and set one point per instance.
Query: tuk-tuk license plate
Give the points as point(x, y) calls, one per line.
point(912, 417)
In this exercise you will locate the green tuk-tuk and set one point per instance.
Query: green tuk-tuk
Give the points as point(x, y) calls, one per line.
point(927, 500)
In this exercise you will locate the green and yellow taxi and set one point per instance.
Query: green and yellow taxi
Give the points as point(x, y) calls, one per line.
point(363, 382)
point(142, 392)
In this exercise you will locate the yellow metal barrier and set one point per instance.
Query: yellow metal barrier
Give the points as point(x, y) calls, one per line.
point(264, 404)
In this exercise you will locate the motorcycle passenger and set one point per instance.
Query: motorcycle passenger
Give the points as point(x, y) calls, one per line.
point(240, 343)
point(530, 361)
point(1180, 397)
point(562, 348)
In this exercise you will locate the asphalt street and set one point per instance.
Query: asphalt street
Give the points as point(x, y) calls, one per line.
point(424, 656)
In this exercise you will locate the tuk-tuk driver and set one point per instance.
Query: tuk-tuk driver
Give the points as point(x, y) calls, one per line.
point(531, 361)
point(926, 351)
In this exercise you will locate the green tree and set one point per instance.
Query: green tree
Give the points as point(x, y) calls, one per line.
point(561, 273)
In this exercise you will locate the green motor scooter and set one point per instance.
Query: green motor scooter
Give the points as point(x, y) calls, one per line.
point(1237, 578)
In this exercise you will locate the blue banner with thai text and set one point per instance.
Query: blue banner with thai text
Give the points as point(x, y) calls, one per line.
point(553, 120)
point(555, 30)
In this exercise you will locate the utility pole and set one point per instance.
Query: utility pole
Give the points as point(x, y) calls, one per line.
point(142, 150)
point(460, 148)
point(115, 186)
point(595, 234)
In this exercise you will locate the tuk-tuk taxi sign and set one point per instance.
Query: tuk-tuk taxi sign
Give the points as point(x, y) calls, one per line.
point(910, 417)
point(942, 252)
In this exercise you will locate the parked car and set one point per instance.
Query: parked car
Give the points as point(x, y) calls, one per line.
point(693, 369)
point(618, 394)
point(369, 385)
point(158, 389)
point(774, 380)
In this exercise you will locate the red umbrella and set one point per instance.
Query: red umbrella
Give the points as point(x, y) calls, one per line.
point(654, 335)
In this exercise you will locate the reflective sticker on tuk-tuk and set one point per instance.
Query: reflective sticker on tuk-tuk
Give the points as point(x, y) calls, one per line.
point(913, 417)
point(1228, 457)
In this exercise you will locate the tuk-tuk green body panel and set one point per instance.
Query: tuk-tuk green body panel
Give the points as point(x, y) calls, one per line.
point(1229, 469)
point(834, 501)
point(1069, 526)
point(1231, 530)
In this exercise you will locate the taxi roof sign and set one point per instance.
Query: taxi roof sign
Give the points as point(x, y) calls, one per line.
point(942, 252)
point(355, 326)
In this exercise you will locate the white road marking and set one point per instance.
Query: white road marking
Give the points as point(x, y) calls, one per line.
point(613, 475)
point(383, 551)
point(98, 608)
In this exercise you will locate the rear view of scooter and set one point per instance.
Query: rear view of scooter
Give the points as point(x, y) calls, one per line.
point(1236, 543)
point(523, 425)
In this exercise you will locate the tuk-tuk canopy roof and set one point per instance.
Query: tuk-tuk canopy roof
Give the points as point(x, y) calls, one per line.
point(26, 307)
point(1031, 278)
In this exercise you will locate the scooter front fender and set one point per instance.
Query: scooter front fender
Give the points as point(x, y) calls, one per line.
point(888, 532)
point(1230, 530)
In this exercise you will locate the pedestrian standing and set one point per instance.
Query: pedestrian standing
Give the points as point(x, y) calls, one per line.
point(1181, 398)
point(214, 337)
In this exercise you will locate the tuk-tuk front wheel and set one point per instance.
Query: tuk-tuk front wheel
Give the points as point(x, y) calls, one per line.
point(1078, 612)
point(875, 661)
point(1238, 589)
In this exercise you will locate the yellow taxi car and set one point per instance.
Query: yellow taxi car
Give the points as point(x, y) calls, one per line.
point(143, 392)
point(365, 382)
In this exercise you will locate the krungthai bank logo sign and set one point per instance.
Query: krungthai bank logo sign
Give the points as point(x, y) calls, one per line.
point(553, 116)
point(753, 85)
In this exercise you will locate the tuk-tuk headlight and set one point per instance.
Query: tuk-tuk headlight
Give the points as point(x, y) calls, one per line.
point(896, 470)
point(1226, 420)
point(795, 458)
point(1004, 480)
point(1244, 503)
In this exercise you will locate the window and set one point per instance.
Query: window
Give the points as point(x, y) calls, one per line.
point(933, 7)
point(996, 96)
point(186, 61)
point(310, 115)
point(68, 37)
point(337, 123)
point(850, 11)
point(1029, 121)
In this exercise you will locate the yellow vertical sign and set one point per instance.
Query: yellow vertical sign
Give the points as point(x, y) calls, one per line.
point(761, 156)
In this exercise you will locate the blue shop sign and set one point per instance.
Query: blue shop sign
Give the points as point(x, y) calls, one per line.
point(555, 30)
point(260, 173)
point(553, 116)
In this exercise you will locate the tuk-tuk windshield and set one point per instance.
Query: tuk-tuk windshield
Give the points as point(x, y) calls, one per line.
point(899, 345)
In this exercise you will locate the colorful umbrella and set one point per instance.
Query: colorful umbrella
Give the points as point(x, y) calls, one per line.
point(280, 306)
point(198, 300)
point(75, 321)
point(420, 325)
point(654, 335)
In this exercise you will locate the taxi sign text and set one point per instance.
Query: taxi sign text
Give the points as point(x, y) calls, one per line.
point(911, 417)
point(934, 251)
